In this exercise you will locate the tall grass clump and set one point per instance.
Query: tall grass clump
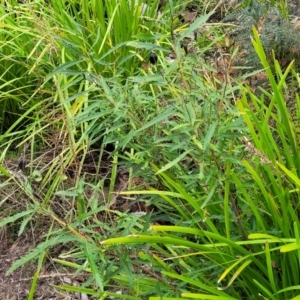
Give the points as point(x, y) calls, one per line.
point(81, 37)
point(53, 54)
point(95, 33)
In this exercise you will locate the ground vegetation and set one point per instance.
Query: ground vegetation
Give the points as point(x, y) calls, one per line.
point(149, 149)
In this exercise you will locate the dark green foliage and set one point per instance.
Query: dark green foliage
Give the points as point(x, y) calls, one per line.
point(277, 33)
point(280, 39)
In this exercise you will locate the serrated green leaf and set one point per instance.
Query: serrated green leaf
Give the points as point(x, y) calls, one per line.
point(39, 249)
point(15, 217)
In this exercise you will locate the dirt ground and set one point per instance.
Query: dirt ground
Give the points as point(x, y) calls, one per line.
point(16, 286)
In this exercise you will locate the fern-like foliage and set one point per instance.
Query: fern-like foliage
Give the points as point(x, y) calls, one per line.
point(280, 39)
point(277, 33)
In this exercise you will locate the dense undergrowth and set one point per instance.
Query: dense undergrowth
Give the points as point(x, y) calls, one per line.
point(171, 180)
